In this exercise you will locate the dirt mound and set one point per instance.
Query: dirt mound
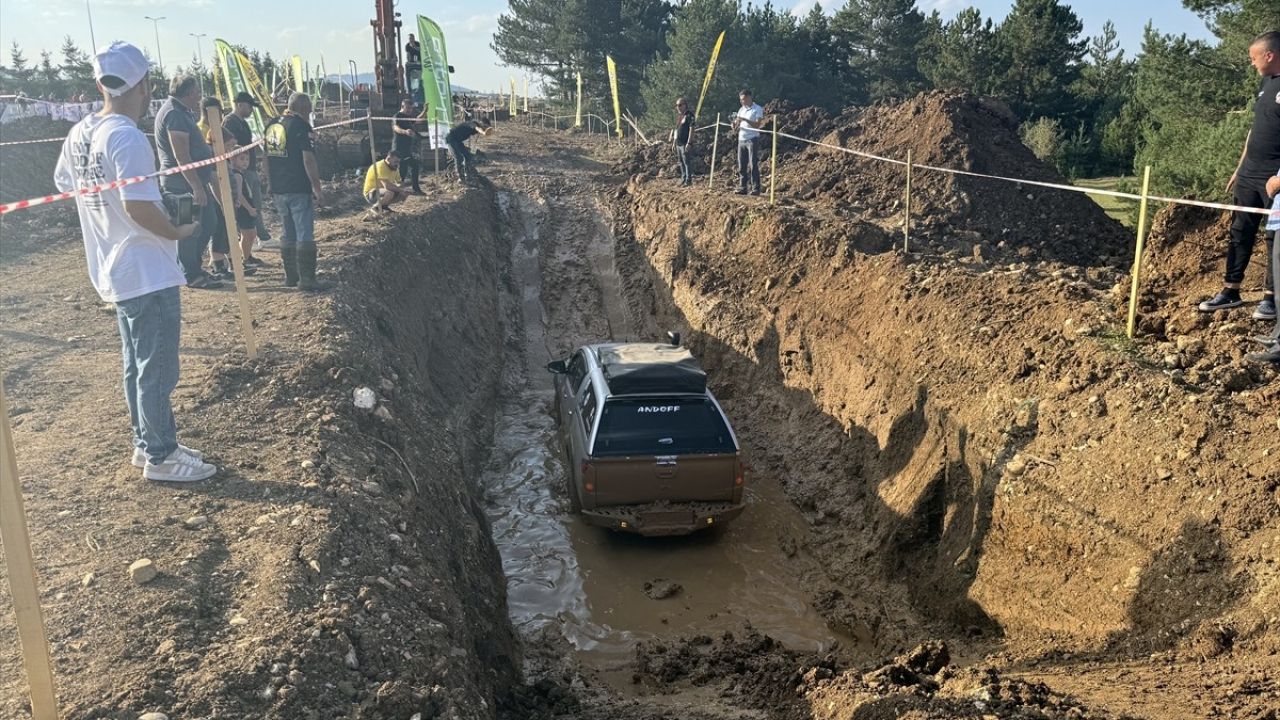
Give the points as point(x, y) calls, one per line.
point(340, 563)
point(921, 683)
point(27, 170)
point(978, 448)
point(942, 129)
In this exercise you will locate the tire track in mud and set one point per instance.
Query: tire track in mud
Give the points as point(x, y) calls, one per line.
point(569, 584)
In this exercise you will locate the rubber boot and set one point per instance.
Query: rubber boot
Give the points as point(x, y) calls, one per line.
point(307, 268)
point(289, 258)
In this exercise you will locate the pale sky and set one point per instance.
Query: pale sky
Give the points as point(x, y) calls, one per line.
point(340, 31)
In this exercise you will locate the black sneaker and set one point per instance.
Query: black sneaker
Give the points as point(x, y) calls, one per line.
point(756, 191)
point(1224, 300)
point(740, 191)
point(1266, 310)
point(252, 261)
point(204, 282)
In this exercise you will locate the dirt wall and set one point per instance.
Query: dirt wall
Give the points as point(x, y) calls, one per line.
point(340, 564)
point(971, 444)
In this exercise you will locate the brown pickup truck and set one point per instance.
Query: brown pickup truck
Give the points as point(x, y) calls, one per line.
point(650, 450)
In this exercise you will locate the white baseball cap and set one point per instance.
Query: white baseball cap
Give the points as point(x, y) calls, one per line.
point(120, 62)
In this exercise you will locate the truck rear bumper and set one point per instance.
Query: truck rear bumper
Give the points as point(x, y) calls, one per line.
point(663, 518)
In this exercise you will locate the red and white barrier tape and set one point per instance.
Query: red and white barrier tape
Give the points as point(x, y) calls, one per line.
point(31, 142)
point(57, 197)
point(47, 199)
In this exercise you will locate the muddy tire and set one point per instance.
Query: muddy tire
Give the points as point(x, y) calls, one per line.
point(570, 487)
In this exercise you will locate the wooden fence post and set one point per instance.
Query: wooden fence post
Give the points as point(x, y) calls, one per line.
point(773, 160)
point(233, 241)
point(22, 577)
point(906, 207)
point(715, 145)
point(373, 149)
point(1137, 255)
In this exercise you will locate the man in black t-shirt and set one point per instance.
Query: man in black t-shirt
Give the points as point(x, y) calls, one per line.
point(682, 135)
point(238, 124)
point(406, 126)
point(457, 138)
point(1258, 163)
point(295, 187)
point(412, 64)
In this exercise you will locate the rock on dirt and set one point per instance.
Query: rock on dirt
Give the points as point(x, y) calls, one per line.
point(142, 571)
point(662, 588)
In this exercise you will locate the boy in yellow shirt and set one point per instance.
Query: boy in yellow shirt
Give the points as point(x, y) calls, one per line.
point(383, 186)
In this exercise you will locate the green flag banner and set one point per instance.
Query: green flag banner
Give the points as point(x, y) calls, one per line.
point(613, 87)
point(237, 75)
point(711, 70)
point(437, 90)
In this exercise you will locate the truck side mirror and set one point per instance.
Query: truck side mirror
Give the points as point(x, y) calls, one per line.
point(559, 367)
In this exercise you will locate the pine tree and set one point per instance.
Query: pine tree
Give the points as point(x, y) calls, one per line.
point(962, 54)
point(1040, 44)
point(693, 34)
point(77, 71)
point(878, 44)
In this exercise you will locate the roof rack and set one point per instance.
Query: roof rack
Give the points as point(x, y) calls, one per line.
point(649, 368)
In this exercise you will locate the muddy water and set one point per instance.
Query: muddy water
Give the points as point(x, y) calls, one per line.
point(588, 583)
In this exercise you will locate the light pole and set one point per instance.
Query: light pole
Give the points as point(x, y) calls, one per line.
point(200, 59)
point(92, 40)
point(155, 22)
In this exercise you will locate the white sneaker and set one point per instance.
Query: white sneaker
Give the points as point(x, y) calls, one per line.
point(271, 245)
point(140, 458)
point(179, 467)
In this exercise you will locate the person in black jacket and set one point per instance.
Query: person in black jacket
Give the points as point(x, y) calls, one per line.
point(683, 135)
point(456, 140)
point(1258, 164)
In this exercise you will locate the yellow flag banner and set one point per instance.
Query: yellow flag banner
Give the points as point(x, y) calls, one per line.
point(577, 120)
point(711, 70)
point(613, 87)
point(299, 82)
point(514, 109)
point(526, 93)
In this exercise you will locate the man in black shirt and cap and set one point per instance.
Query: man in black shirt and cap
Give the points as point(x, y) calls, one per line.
point(406, 126)
point(1258, 164)
point(457, 139)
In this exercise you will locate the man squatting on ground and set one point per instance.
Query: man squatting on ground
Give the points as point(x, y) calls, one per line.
point(405, 127)
point(682, 136)
point(747, 122)
point(457, 139)
point(1258, 163)
point(131, 249)
point(383, 186)
point(295, 187)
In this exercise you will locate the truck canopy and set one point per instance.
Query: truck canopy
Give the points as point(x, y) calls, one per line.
point(662, 426)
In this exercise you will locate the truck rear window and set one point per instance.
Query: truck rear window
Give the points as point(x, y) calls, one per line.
point(674, 426)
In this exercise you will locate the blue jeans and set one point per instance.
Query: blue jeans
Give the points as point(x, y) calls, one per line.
point(682, 153)
point(749, 163)
point(149, 332)
point(461, 159)
point(298, 215)
point(253, 184)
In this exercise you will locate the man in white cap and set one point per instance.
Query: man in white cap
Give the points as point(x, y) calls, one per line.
point(131, 247)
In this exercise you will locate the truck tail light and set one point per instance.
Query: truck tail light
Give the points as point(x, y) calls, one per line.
point(741, 476)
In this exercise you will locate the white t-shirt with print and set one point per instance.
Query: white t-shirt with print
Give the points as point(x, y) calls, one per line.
point(125, 260)
point(754, 115)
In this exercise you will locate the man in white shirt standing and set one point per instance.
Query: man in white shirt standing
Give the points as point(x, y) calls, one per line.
point(747, 122)
point(131, 247)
